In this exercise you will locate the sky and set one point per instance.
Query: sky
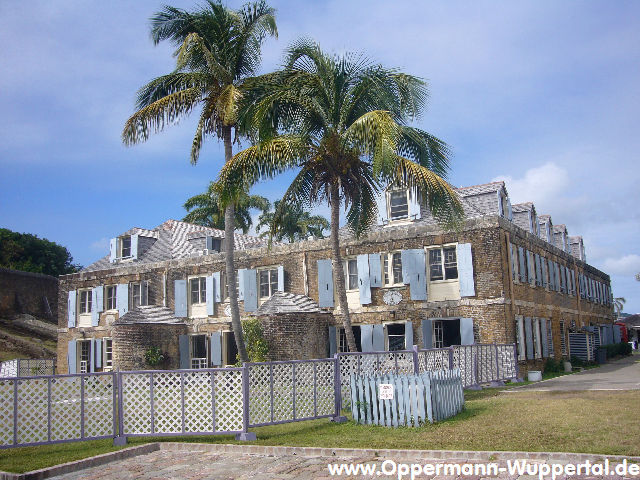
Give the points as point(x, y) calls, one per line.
point(542, 94)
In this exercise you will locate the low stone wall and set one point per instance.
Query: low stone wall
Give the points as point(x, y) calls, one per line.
point(25, 292)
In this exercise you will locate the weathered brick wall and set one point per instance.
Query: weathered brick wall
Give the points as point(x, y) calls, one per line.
point(130, 341)
point(25, 292)
point(296, 336)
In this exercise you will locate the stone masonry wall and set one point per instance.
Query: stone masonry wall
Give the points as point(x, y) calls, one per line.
point(25, 292)
point(296, 336)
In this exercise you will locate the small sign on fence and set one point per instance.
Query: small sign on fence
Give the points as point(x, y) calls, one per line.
point(385, 391)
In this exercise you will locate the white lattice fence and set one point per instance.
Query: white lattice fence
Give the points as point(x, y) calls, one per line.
point(486, 363)
point(56, 408)
point(464, 360)
point(434, 359)
point(290, 391)
point(506, 361)
point(9, 368)
point(179, 402)
point(372, 364)
point(28, 367)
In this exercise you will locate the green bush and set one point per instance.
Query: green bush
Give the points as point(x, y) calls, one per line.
point(257, 346)
point(553, 366)
point(617, 349)
point(153, 356)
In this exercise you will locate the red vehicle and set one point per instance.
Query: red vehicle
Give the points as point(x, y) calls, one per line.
point(624, 334)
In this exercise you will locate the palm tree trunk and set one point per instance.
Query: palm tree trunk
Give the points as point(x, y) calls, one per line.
point(338, 268)
point(229, 229)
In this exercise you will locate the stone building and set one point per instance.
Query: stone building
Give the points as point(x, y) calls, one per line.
point(505, 275)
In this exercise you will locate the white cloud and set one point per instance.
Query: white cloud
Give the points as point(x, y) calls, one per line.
point(540, 185)
point(101, 245)
point(625, 265)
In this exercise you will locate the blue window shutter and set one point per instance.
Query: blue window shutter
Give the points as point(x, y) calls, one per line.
point(280, 278)
point(414, 204)
point(408, 335)
point(538, 270)
point(532, 268)
point(465, 270)
point(509, 209)
point(210, 294)
point(144, 292)
point(240, 274)
point(363, 279)
point(414, 272)
point(98, 297)
point(523, 271)
point(71, 356)
point(134, 246)
point(552, 285)
point(209, 242)
point(325, 283)
point(375, 270)
point(92, 363)
point(617, 337)
point(544, 339)
point(528, 333)
point(500, 208)
point(97, 351)
point(250, 290)
point(378, 338)
point(366, 338)
point(216, 349)
point(381, 203)
point(543, 267)
point(332, 341)
point(427, 333)
point(113, 250)
point(180, 299)
point(183, 342)
point(71, 309)
point(122, 298)
point(95, 315)
point(216, 287)
point(557, 276)
point(466, 331)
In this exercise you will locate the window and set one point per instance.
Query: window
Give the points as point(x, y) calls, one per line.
point(398, 205)
point(395, 336)
point(445, 332)
point(198, 351)
point(438, 334)
point(125, 247)
point(342, 339)
point(351, 271)
point(108, 354)
point(268, 282)
point(393, 273)
point(85, 301)
point(111, 297)
point(198, 290)
point(443, 264)
point(85, 357)
point(139, 294)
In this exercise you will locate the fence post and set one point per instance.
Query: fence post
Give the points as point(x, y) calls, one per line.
point(516, 378)
point(15, 411)
point(121, 438)
point(474, 368)
point(497, 382)
point(245, 435)
point(451, 357)
point(337, 391)
point(416, 360)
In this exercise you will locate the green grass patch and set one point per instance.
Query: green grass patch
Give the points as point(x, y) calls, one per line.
point(589, 422)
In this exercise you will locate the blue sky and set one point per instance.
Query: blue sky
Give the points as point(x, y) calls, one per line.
point(544, 94)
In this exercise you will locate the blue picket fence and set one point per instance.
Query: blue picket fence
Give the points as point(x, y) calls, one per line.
point(415, 399)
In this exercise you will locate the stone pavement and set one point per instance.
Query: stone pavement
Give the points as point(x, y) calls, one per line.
point(183, 461)
point(623, 374)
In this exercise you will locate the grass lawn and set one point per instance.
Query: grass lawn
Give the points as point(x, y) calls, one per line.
point(589, 422)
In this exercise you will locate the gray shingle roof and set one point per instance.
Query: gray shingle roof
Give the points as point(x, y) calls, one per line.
point(170, 240)
point(285, 302)
point(481, 189)
point(522, 207)
point(150, 314)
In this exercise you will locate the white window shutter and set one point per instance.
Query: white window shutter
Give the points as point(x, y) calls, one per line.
point(509, 209)
point(325, 283)
point(375, 270)
point(113, 250)
point(280, 278)
point(414, 204)
point(381, 203)
point(500, 207)
point(122, 298)
point(363, 279)
point(180, 300)
point(71, 309)
point(216, 287)
point(250, 290)
point(134, 246)
point(366, 338)
point(466, 331)
point(240, 274)
point(210, 294)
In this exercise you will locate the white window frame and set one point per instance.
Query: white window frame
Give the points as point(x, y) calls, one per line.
point(107, 354)
point(202, 290)
point(114, 289)
point(272, 286)
point(121, 249)
point(350, 261)
point(84, 365)
point(199, 362)
point(442, 248)
point(388, 197)
point(390, 279)
point(84, 308)
point(385, 327)
point(437, 333)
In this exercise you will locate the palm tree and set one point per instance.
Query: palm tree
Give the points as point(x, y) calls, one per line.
point(343, 123)
point(204, 209)
point(295, 224)
point(218, 49)
point(618, 304)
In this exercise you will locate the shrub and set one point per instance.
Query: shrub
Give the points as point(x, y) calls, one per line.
point(257, 346)
point(153, 356)
point(615, 349)
point(553, 366)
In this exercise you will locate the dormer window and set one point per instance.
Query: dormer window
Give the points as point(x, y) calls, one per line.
point(125, 247)
point(214, 244)
point(398, 205)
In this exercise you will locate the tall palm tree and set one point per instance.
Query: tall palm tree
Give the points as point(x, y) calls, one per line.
point(343, 123)
point(618, 304)
point(218, 49)
point(204, 209)
point(295, 223)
